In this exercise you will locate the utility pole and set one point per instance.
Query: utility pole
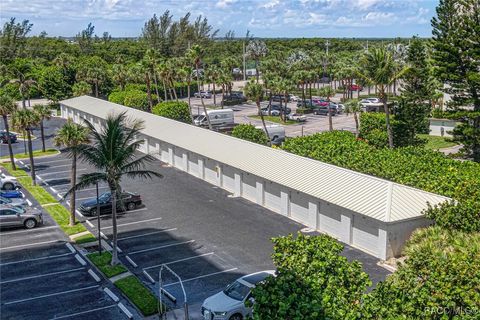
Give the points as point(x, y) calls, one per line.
point(244, 66)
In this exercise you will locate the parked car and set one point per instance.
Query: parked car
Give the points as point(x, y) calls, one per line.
point(128, 201)
point(220, 117)
point(272, 112)
point(320, 102)
point(3, 137)
point(17, 216)
point(203, 94)
point(294, 98)
point(10, 194)
point(355, 87)
point(229, 304)
point(297, 117)
point(277, 107)
point(275, 132)
point(338, 107)
point(8, 182)
point(370, 100)
point(235, 96)
point(323, 110)
point(308, 104)
point(16, 202)
point(278, 98)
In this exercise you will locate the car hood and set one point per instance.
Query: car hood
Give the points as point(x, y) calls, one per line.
point(18, 201)
point(89, 203)
point(221, 302)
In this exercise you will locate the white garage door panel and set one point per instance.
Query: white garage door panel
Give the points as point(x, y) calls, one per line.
point(193, 164)
point(330, 222)
point(299, 207)
point(249, 187)
point(164, 152)
point(210, 171)
point(228, 178)
point(365, 234)
point(152, 147)
point(272, 196)
point(178, 158)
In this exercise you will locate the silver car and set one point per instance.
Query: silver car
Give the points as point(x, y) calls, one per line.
point(16, 202)
point(11, 216)
point(229, 304)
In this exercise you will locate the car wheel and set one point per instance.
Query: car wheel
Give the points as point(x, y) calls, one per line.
point(30, 223)
point(131, 206)
point(8, 186)
point(236, 316)
point(93, 212)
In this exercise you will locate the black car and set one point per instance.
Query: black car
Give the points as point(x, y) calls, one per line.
point(286, 110)
point(278, 98)
point(128, 201)
point(235, 96)
point(3, 137)
point(323, 110)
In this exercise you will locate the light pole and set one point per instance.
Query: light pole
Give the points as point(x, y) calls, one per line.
point(98, 222)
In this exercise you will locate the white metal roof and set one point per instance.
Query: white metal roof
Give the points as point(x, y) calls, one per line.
point(365, 194)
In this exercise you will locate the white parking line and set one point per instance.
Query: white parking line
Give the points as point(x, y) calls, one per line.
point(161, 247)
point(148, 276)
point(29, 245)
point(58, 172)
point(90, 189)
point(41, 275)
point(200, 277)
point(94, 275)
point(50, 295)
point(111, 294)
point(84, 312)
point(36, 259)
point(60, 160)
point(130, 223)
point(146, 234)
point(29, 231)
point(53, 190)
point(123, 212)
point(180, 260)
point(125, 310)
point(29, 203)
point(90, 224)
point(131, 261)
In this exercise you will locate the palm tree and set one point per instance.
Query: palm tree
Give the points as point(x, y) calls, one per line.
point(213, 75)
point(162, 71)
point(355, 107)
point(195, 54)
point(72, 135)
point(379, 68)
point(120, 75)
point(256, 50)
point(8, 107)
point(112, 153)
point(43, 112)
point(254, 91)
point(328, 92)
point(25, 120)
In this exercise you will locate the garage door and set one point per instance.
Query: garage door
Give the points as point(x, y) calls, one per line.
point(273, 196)
point(178, 158)
point(164, 154)
point(228, 178)
point(249, 187)
point(299, 207)
point(210, 171)
point(193, 165)
point(365, 234)
point(330, 220)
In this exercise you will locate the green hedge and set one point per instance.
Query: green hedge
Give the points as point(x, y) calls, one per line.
point(250, 133)
point(413, 166)
point(173, 110)
point(138, 294)
point(102, 261)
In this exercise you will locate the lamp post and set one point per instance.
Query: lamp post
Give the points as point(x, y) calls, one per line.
point(98, 222)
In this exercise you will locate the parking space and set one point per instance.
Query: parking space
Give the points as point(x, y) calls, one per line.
point(42, 276)
point(198, 230)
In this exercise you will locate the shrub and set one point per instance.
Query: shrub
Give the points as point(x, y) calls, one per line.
point(136, 99)
point(117, 97)
point(313, 281)
point(377, 138)
point(179, 111)
point(464, 216)
point(441, 273)
point(250, 133)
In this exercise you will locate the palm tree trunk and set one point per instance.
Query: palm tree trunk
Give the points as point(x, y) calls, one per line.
point(357, 126)
point(214, 95)
point(203, 105)
point(256, 70)
point(189, 104)
point(96, 89)
point(113, 193)
point(310, 90)
point(73, 182)
point(263, 122)
point(23, 102)
point(223, 95)
point(174, 91)
point(387, 122)
point(149, 92)
point(42, 133)
point(10, 151)
point(164, 89)
point(330, 121)
point(30, 152)
point(156, 86)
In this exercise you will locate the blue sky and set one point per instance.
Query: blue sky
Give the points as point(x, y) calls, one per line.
point(264, 18)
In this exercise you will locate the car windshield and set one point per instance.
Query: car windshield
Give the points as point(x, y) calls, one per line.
point(104, 197)
point(5, 200)
point(18, 209)
point(237, 291)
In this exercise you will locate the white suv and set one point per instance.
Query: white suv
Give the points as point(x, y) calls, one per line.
point(8, 182)
point(229, 304)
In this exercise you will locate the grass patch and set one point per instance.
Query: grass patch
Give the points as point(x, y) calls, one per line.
point(85, 239)
point(62, 216)
point(37, 153)
point(103, 263)
point(40, 194)
point(437, 142)
point(274, 119)
point(15, 173)
point(145, 301)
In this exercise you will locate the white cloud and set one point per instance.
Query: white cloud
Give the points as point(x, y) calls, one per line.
point(271, 4)
point(222, 4)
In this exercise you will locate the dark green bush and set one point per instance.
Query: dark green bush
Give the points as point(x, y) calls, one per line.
point(250, 133)
point(117, 97)
point(463, 216)
point(173, 110)
point(137, 99)
point(377, 138)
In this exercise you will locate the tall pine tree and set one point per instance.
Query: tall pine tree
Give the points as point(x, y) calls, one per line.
point(456, 54)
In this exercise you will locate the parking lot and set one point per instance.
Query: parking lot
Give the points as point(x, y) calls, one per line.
point(44, 277)
point(199, 231)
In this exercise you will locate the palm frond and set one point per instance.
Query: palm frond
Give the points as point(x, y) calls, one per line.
point(86, 180)
point(144, 174)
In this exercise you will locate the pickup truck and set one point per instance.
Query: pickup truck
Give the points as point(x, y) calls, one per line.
point(297, 117)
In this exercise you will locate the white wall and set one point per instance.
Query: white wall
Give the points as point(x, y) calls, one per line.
point(370, 235)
